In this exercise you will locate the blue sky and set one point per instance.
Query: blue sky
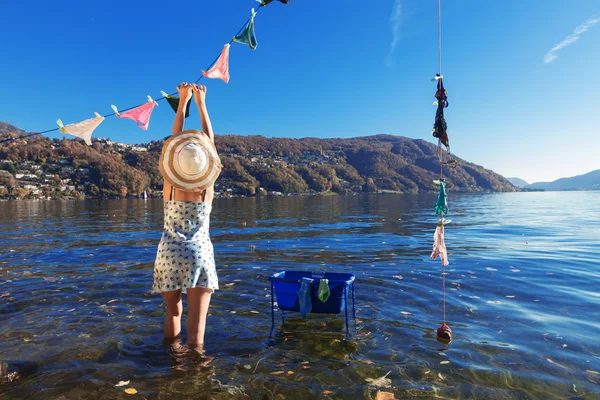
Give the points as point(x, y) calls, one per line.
point(323, 69)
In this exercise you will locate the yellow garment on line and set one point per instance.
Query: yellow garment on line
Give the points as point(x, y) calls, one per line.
point(83, 129)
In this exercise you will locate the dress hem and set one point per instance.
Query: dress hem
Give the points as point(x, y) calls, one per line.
point(183, 289)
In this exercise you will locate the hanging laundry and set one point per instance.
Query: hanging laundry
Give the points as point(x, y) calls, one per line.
point(247, 36)
point(221, 68)
point(439, 245)
point(174, 103)
point(324, 291)
point(439, 126)
point(304, 294)
point(83, 129)
point(265, 2)
point(441, 204)
point(141, 115)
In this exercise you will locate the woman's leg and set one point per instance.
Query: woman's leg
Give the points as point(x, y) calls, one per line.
point(198, 301)
point(174, 311)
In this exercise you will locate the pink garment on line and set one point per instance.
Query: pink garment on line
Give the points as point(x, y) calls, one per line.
point(141, 115)
point(221, 68)
point(439, 246)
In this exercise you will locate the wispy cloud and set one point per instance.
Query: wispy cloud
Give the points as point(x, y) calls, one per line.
point(572, 38)
point(395, 22)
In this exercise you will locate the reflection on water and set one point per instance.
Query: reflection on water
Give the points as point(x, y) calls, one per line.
point(78, 318)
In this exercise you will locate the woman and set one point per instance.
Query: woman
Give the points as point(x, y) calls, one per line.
point(185, 259)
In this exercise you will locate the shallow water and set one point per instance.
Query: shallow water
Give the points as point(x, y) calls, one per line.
point(522, 299)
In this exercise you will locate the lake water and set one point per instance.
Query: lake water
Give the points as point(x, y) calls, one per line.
point(522, 292)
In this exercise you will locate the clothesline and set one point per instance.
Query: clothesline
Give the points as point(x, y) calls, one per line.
point(252, 46)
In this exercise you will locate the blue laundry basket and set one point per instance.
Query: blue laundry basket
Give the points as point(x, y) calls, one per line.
point(285, 286)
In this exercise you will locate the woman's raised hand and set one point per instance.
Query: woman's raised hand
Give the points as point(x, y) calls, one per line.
point(199, 93)
point(185, 91)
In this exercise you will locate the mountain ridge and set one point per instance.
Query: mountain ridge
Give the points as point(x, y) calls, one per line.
point(518, 182)
point(252, 165)
point(587, 181)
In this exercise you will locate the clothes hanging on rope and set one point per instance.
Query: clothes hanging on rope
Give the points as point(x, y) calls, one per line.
point(440, 128)
point(440, 131)
point(441, 204)
point(221, 68)
point(174, 103)
point(266, 2)
point(83, 129)
point(247, 36)
point(141, 115)
point(439, 245)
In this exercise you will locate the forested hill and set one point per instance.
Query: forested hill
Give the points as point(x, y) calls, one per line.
point(253, 165)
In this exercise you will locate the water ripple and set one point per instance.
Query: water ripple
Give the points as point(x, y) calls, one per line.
point(521, 299)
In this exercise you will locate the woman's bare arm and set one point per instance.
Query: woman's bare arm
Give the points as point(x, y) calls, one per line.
point(200, 98)
point(185, 94)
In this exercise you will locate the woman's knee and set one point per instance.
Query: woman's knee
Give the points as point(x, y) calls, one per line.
point(175, 309)
point(173, 303)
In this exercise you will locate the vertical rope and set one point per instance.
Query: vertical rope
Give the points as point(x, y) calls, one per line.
point(440, 152)
point(440, 158)
point(440, 37)
point(444, 290)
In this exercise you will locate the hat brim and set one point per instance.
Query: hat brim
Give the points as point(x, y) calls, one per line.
point(171, 172)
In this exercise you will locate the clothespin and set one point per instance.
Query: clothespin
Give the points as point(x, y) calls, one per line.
point(98, 115)
point(114, 109)
point(152, 101)
point(165, 94)
point(253, 13)
point(443, 222)
point(60, 125)
point(437, 77)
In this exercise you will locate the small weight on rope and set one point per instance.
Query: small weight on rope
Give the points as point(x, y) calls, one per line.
point(444, 334)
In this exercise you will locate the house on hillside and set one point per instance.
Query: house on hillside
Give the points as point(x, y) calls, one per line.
point(25, 176)
point(32, 188)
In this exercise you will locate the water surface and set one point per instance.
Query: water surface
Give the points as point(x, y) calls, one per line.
point(522, 299)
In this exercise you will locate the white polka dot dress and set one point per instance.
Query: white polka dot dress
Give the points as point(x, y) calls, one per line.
point(185, 257)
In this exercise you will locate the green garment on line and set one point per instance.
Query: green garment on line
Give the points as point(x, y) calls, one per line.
point(247, 36)
point(441, 204)
point(324, 290)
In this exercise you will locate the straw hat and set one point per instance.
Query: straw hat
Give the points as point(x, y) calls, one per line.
point(189, 161)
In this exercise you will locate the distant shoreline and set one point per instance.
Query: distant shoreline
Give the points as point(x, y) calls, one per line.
point(298, 195)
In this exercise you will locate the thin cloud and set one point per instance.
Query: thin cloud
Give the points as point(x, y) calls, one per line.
point(572, 38)
point(395, 22)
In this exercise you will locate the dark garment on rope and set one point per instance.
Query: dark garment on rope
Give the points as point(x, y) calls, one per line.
point(265, 2)
point(174, 103)
point(439, 126)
